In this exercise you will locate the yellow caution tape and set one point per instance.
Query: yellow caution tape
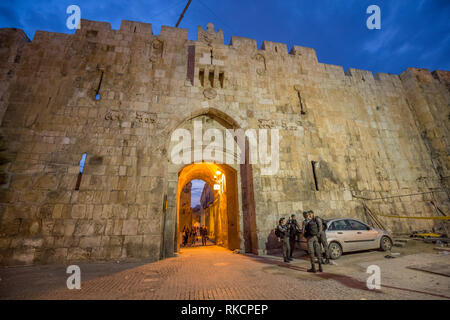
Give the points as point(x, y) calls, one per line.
point(406, 217)
point(427, 235)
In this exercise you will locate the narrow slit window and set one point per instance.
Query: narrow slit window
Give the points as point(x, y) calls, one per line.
point(313, 164)
point(221, 79)
point(201, 76)
point(191, 64)
point(211, 79)
point(97, 93)
point(80, 174)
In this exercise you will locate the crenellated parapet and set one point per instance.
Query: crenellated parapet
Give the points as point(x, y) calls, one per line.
point(243, 44)
point(274, 47)
point(136, 27)
point(174, 34)
point(307, 54)
point(94, 25)
point(97, 30)
point(357, 74)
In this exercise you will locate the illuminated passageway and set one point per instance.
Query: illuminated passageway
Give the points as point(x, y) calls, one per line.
point(221, 213)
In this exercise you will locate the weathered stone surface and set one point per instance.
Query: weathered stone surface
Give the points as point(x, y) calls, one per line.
point(375, 136)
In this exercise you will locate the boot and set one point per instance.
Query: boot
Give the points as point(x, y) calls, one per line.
point(313, 269)
point(320, 265)
point(286, 260)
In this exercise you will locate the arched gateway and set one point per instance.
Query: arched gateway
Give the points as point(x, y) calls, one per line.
point(233, 210)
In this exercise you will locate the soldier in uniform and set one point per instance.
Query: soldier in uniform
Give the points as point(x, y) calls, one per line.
point(321, 237)
point(305, 221)
point(294, 230)
point(283, 231)
point(311, 232)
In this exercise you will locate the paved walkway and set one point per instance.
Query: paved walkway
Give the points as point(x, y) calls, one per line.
point(197, 273)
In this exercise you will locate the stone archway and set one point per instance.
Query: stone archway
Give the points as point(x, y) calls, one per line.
point(246, 220)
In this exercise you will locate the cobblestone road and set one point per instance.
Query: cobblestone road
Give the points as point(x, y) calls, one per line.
point(197, 273)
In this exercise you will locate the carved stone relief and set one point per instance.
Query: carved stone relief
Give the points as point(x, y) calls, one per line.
point(114, 115)
point(210, 36)
point(210, 93)
point(261, 67)
point(145, 117)
point(138, 117)
point(157, 50)
point(275, 124)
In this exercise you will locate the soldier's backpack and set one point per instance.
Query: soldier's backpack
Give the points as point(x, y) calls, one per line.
point(324, 224)
point(312, 229)
point(277, 232)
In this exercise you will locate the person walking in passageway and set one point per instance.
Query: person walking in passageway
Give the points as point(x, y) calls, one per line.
point(204, 234)
point(185, 236)
point(193, 236)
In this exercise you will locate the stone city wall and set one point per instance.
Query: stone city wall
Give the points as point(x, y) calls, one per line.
point(117, 95)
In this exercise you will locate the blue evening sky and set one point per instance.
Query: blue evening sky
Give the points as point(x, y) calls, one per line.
point(196, 192)
point(414, 33)
point(82, 162)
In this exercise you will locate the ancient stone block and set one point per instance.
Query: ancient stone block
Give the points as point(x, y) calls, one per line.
point(130, 227)
point(90, 242)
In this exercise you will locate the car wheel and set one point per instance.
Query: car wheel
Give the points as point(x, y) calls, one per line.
point(335, 250)
point(385, 243)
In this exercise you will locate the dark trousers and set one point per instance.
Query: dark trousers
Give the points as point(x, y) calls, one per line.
point(291, 246)
point(314, 247)
point(204, 241)
point(286, 248)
